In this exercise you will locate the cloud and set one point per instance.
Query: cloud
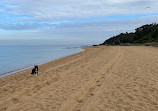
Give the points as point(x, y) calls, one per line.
point(26, 26)
point(100, 29)
point(93, 29)
point(88, 20)
point(77, 9)
point(29, 14)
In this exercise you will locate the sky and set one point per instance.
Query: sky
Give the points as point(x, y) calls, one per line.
point(72, 21)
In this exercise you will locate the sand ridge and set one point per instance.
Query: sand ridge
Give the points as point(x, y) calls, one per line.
point(101, 78)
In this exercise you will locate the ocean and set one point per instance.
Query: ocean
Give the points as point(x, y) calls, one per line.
point(19, 57)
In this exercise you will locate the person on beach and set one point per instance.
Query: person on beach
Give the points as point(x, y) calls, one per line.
point(35, 70)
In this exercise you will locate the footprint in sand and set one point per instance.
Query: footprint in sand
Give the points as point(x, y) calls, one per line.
point(79, 101)
point(15, 100)
point(91, 94)
point(3, 109)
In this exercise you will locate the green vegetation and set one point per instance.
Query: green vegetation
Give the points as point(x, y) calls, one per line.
point(146, 34)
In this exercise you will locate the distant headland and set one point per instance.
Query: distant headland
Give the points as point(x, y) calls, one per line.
point(144, 35)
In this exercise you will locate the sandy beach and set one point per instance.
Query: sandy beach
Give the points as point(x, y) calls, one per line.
point(103, 78)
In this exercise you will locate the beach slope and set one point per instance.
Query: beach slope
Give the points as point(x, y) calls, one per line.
point(102, 78)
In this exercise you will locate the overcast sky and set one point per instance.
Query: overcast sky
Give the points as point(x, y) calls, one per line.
point(88, 21)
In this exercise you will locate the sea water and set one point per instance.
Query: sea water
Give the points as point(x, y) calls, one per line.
point(17, 57)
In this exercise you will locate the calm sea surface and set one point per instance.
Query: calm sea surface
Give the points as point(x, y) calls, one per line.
point(15, 58)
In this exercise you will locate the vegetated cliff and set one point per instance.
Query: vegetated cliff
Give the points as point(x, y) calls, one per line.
point(142, 35)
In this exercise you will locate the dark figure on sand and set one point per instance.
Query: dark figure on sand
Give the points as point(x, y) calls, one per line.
point(35, 70)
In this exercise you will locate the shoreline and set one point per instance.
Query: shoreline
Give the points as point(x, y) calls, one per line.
point(14, 71)
point(99, 78)
point(31, 66)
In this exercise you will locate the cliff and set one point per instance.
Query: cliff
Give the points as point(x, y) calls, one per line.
point(146, 34)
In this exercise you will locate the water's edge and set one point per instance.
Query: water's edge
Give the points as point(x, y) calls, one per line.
point(28, 67)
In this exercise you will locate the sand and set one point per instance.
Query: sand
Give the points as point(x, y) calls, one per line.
point(120, 78)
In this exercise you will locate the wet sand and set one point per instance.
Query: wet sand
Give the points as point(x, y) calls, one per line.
point(99, 79)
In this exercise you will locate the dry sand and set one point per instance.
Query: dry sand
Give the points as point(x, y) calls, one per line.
point(98, 79)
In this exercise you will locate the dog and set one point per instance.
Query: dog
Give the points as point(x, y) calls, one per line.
point(35, 70)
